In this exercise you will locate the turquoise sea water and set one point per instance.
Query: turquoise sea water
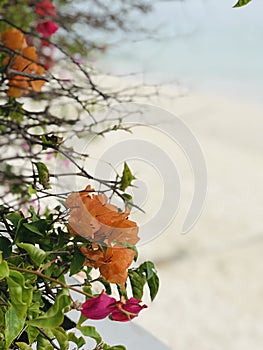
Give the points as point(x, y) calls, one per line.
point(199, 43)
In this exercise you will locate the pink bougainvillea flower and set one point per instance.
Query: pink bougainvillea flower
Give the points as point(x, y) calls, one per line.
point(67, 163)
point(126, 310)
point(50, 155)
point(25, 146)
point(99, 307)
point(46, 8)
point(102, 306)
point(47, 28)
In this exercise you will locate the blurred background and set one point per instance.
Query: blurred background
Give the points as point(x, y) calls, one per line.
point(200, 43)
point(208, 58)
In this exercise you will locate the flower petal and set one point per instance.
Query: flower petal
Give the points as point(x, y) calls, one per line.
point(127, 311)
point(47, 28)
point(99, 307)
point(13, 39)
point(46, 8)
point(92, 217)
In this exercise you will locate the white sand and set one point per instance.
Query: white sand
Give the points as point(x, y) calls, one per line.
point(211, 292)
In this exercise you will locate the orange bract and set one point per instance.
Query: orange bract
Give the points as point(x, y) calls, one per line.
point(13, 39)
point(16, 85)
point(27, 71)
point(112, 263)
point(92, 217)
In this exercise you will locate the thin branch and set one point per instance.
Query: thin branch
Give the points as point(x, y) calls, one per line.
point(48, 338)
point(40, 274)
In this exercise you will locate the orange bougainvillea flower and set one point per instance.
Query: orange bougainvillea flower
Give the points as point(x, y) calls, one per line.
point(13, 39)
point(23, 71)
point(92, 217)
point(112, 263)
point(16, 85)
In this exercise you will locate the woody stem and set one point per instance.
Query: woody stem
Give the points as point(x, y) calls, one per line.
point(40, 274)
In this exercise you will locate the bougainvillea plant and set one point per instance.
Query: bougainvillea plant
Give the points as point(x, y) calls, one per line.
point(47, 237)
point(48, 87)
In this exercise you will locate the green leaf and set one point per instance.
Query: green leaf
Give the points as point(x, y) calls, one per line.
point(17, 112)
point(34, 309)
point(90, 331)
point(76, 262)
point(87, 289)
point(32, 333)
point(43, 174)
point(106, 284)
point(23, 346)
point(148, 270)
point(4, 270)
point(20, 294)
point(43, 343)
point(13, 325)
point(127, 196)
point(2, 318)
point(31, 189)
point(114, 347)
point(78, 341)
point(37, 298)
point(34, 214)
point(21, 230)
point(37, 255)
point(153, 284)
point(14, 218)
point(5, 247)
point(128, 200)
point(137, 284)
point(241, 3)
point(62, 337)
point(51, 140)
point(39, 227)
point(82, 319)
point(126, 177)
point(55, 315)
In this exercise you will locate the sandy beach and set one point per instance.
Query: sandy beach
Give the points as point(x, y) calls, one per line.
point(211, 287)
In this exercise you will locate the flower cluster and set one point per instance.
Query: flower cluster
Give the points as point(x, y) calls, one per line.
point(112, 263)
point(92, 217)
point(37, 252)
point(111, 234)
point(45, 11)
point(44, 26)
point(103, 306)
point(22, 69)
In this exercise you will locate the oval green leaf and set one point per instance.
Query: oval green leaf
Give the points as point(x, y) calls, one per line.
point(55, 315)
point(5, 247)
point(241, 3)
point(37, 255)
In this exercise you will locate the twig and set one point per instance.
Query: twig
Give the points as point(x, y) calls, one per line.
point(39, 274)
